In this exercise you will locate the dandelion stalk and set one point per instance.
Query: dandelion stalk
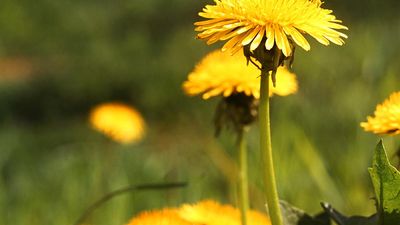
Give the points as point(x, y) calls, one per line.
point(243, 178)
point(266, 147)
point(268, 33)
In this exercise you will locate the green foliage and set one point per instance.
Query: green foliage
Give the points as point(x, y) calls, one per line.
point(386, 181)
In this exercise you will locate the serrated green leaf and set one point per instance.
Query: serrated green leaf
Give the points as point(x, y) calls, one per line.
point(386, 182)
point(340, 219)
point(295, 216)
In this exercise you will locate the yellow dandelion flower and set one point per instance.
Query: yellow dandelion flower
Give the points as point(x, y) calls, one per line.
point(268, 23)
point(220, 73)
point(162, 217)
point(120, 122)
point(386, 119)
point(212, 213)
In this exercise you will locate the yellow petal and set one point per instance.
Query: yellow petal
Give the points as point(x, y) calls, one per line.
point(206, 22)
point(297, 37)
point(251, 35)
point(257, 40)
point(232, 42)
point(270, 38)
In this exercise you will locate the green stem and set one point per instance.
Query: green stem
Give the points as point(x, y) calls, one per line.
point(266, 150)
point(243, 179)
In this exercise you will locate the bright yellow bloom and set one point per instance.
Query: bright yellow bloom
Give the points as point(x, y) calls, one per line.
point(268, 22)
point(120, 122)
point(212, 213)
point(386, 118)
point(220, 73)
point(162, 217)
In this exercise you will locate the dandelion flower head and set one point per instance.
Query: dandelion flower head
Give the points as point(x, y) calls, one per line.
point(268, 23)
point(386, 119)
point(209, 212)
point(118, 121)
point(161, 217)
point(220, 73)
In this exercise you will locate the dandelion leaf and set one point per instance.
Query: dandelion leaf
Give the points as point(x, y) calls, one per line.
point(295, 216)
point(340, 219)
point(386, 182)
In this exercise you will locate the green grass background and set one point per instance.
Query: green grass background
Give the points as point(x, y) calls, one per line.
point(53, 166)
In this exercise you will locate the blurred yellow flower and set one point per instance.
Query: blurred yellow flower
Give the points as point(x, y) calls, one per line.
point(220, 73)
point(118, 121)
point(212, 213)
point(386, 119)
point(268, 23)
point(161, 217)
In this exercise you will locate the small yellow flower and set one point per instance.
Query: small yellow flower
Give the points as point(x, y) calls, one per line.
point(120, 122)
point(162, 217)
point(386, 119)
point(212, 213)
point(268, 23)
point(220, 73)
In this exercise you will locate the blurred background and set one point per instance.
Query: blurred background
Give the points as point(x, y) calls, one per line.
point(58, 59)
